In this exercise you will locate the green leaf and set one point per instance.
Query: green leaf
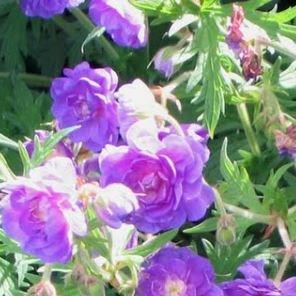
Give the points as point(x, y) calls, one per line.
point(206, 226)
point(7, 281)
point(10, 245)
point(6, 142)
point(254, 4)
point(153, 244)
point(5, 172)
point(24, 157)
point(158, 7)
point(197, 73)
point(213, 86)
point(286, 15)
point(13, 36)
point(42, 151)
point(238, 185)
point(287, 78)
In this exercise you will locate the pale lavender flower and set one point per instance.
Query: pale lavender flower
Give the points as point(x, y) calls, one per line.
point(124, 22)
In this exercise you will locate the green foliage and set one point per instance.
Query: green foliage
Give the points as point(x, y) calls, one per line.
point(154, 244)
point(226, 260)
point(238, 188)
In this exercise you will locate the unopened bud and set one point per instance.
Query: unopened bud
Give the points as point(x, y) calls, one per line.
point(226, 230)
point(44, 288)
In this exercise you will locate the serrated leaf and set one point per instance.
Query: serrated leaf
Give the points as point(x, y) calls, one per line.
point(206, 226)
point(238, 185)
point(153, 244)
point(14, 42)
point(42, 151)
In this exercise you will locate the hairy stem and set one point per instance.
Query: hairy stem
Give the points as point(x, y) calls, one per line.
point(245, 119)
point(89, 26)
point(248, 214)
point(284, 233)
point(219, 203)
point(47, 272)
point(283, 267)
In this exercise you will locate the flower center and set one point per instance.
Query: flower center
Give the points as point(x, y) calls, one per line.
point(80, 106)
point(175, 288)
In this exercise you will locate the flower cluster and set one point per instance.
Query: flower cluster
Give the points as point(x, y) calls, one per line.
point(161, 166)
point(47, 8)
point(243, 50)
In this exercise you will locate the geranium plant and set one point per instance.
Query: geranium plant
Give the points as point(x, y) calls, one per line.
point(148, 147)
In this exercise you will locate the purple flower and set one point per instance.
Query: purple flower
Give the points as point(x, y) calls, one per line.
point(114, 203)
point(177, 272)
point(163, 61)
point(47, 8)
point(256, 283)
point(89, 169)
point(136, 102)
point(124, 22)
point(85, 97)
point(61, 148)
point(165, 173)
point(286, 142)
point(40, 212)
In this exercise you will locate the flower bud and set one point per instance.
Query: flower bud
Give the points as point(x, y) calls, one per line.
point(114, 203)
point(44, 288)
point(286, 142)
point(226, 235)
point(163, 61)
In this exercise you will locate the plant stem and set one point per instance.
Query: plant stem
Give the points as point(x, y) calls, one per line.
point(245, 119)
point(47, 272)
point(169, 118)
point(176, 82)
point(283, 267)
point(64, 25)
point(219, 203)
point(284, 233)
point(31, 79)
point(248, 214)
point(89, 26)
